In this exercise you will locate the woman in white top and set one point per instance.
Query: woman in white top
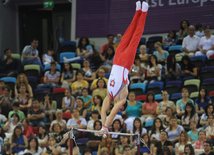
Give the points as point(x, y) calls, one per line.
point(182, 142)
point(33, 146)
point(155, 131)
point(206, 45)
point(67, 101)
point(42, 137)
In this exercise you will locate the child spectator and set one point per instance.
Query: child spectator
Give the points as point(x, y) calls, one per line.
point(169, 113)
point(68, 101)
point(144, 57)
point(169, 40)
point(193, 133)
point(17, 111)
point(68, 75)
point(48, 58)
point(43, 136)
point(28, 132)
point(87, 99)
point(200, 30)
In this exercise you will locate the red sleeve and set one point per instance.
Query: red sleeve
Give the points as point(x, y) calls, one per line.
point(102, 49)
point(29, 131)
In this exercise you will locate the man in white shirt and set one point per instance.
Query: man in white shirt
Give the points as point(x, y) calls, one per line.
point(190, 43)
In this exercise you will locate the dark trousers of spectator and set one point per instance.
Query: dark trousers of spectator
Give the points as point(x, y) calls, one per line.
point(37, 124)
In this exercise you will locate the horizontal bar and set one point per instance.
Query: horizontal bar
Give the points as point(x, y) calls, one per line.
point(111, 133)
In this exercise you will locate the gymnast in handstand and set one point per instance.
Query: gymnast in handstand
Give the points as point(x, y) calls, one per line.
point(123, 60)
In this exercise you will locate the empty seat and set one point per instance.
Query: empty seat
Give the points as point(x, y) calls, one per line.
point(138, 88)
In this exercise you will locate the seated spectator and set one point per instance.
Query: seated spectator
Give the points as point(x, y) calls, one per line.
point(165, 150)
point(68, 75)
point(119, 37)
point(6, 101)
point(200, 30)
point(162, 143)
point(171, 72)
point(137, 129)
point(68, 101)
point(30, 54)
point(154, 133)
point(33, 146)
point(51, 78)
point(104, 47)
point(107, 59)
point(136, 71)
point(58, 120)
point(59, 134)
point(18, 140)
point(208, 146)
point(93, 140)
point(106, 143)
point(97, 103)
point(160, 53)
point(94, 117)
point(189, 116)
point(169, 40)
point(169, 113)
point(52, 147)
point(10, 66)
point(182, 142)
point(3, 119)
point(146, 148)
point(124, 140)
point(133, 106)
point(101, 74)
point(48, 57)
point(193, 133)
point(28, 131)
point(153, 70)
point(189, 150)
point(17, 111)
point(7, 148)
point(80, 107)
point(42, 136)
point(204, 118)
point(22, 79)
point(87, 152)
point(101, 89)
point(149, 107)
point(161, 107)
point(36, 114)
point(89, 74)
point(2, 84)
point(210, 129)
point(180, 104)
point(79, 84)
point(188, 70)
point(206, 45)
point(24, 99)
point(82, 51)
point(127, 150)
point(117, 128)
point(202, 100)
point(144, 57)
point(183, 32)
point(174, 130)
point(190, 43)
point(201, 138)
point(87, 99)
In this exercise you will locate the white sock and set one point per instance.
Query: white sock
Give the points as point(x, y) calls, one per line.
point(71, 59)
point(145, 7)
point(138, 5)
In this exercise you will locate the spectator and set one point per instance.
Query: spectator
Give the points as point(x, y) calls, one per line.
point(160, 53)
point(22, 79)
point(119, 37)
point(89, 74)
point(3, 119)
point(58, 120)
point(52, 147)
point(133, 106)
point(108, 59)
point(117, 128)
point(204, 118)
point(33, 146)
point(101, 74)
point(87, 99)
point(169, 114)
point(210, 129)
point(80, 107)
point(165, 150)
point(206, 45)
point(97, 103)
point(36, 114)
point(183, 32)
point(124, 140)
point(95, 116)
point(6, 101)
point(24, 99)
point(155, 131)
point(68, 101)
point(182, 142)
point(10, 66)
point(48, 58)
point(59, 134)
point(188, 150)
point(87, 152)
point(79, 84)
point(101, 89)
point(200, 30)
point(43, 136)
point(201, 138)
point(93, 139)
point(193, 133)
point(105, 46)
point(18, 140)
point(169, 40)
point(28, 131)
point(68, 75)
point(180, 104)
point(202, 100)
point(2, 84)
point(163, 142)
point(174, 130)
point(7, 148)
point(146, 147)
point(82, 50)
point(127, 150)
point(172, 69)
point(51, 78)
point(17, 111)
point(207, 148)
point(190, 43)
point(189, 116)
point(144, 57)
point(149, 107)
point(30, 54)
point(188, 70)
point(106, 143)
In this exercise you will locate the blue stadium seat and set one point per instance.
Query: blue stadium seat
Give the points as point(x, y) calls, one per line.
point(174, 83)
point(177, 95)
point(143, 40)
point(64, 43)
point(68, 55)
point(156, 84)
point(9, 79)
point(156, 38)
point(107, 75)
point(176, 47)
point(94, 153)
point(149, 123)
point(201, 57)
point(208, 68)
point(139, 86)
point(159, 97)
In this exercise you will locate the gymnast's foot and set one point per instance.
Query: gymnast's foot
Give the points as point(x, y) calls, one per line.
point(138, 5)
point(103, 131)
point(145, 7)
